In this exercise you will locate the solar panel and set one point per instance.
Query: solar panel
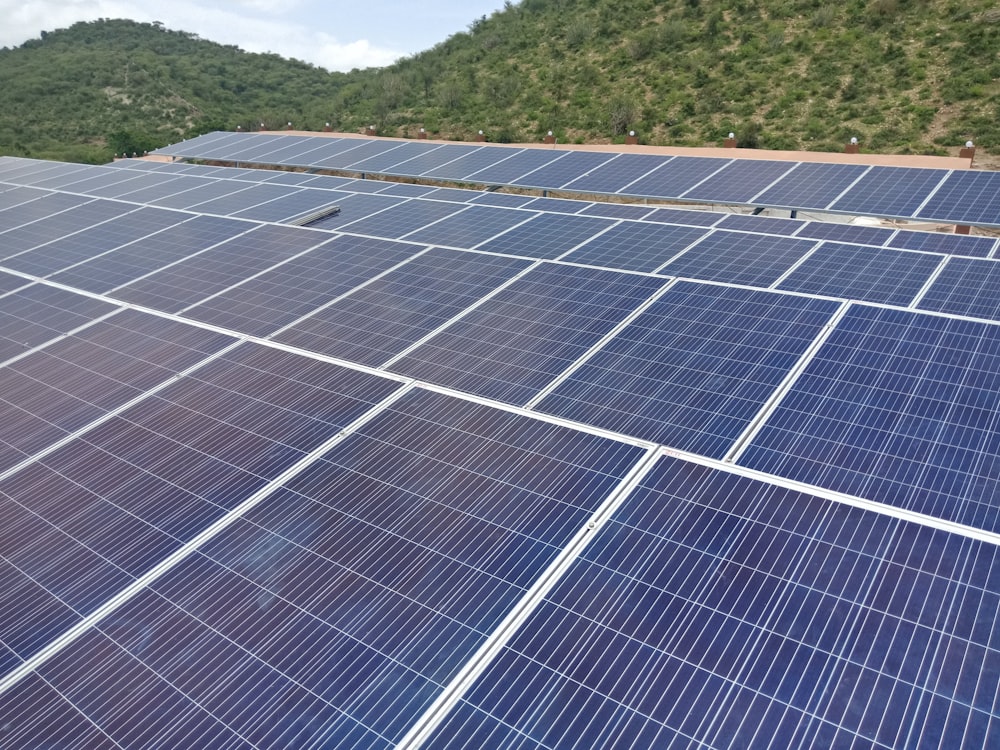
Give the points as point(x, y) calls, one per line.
point(517, 342)
point(675, 177)
point(615, 174)
point(695, 368)
point(375, 645)
point(811, 186)
point(510, 168)
point(507, 200)
point(402, 219)
point(635, 246)
point(261, 305)
point(547, 236)
point(965, 286)
point(951, 244)
point(15, 196)
point(192, 279)
point(889, 191)
point(375, 323)
point(470, 227)
point(853, 233)
point(966, 197)
point(760, 224)
point(739, 181)
point(896, 407)
point(42, 208)
point(863, 273)
point(618, 210)
point(288, 207)
point(719, 611)
point(681, 216)
point(565, 169)
point(354, 207)
point(437, 162)
point(737, 258)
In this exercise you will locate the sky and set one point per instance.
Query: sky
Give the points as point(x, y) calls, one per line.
point(333, 34)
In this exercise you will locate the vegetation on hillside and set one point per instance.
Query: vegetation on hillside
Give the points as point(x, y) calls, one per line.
point(901, 75)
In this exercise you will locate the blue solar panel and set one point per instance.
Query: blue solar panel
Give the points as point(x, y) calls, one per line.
point(564, 169)
point(618, 210)
point(354, 207)
point(890, 191)
point(376, 609)
point(441, 158)
point(40, 313)
point(754, 260)
point(287, 208)
point(385, 159)
point(470, 227)
point(46, 229)
point(130, 262)
point(192, 191)
point(858, 235)
point(897, 407)
point(407, 190)
point(738, 182)
point(193, 279)
point(636, 246)
point(276, 298)
point(506, 170)
point(682, 216)
point(950, 244)
point(93, 241)
point(966, 286)
point(9, 282)
point(615, 174)
point(365, 186)
point(675, 176)
point(966, 197)
point(76, 379)
point(42, 208)
point(142, 483)
point(156, 189)
point(811, 186)
point(373, 324)
point(718, 611)
point(505, 200)
point(513, 345)
point(15, 196)
point(455, 195)
point(402, 219)
point(358, 152)
point(558, 205)
point(547, 236)
point(761, 224)
point(863, 273)
point(239, 201)
point(694, 369)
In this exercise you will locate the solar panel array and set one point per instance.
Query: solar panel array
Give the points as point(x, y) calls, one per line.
point(957, 196)
point(454, 468)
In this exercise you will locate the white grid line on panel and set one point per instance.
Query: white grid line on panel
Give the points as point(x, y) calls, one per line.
point(847, 189)
point(755, 425)
point(775, 181)
point(469, 177)
point(459, 212)
point(475, 306)
point(577, 246)
point(352, 168)
point(61, 336)
point(918, 209)
point(918, 298)
point(508, 229)
point(600, 344)
point(420, 731)
point(445, 164)
point(543, 166)
point(704, 238)
point(49, 216)
point(794, 267)
point(706, 178)
point(621, 191)
point(67, 638)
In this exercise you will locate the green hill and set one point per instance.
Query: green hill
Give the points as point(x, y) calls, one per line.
point(901, 75)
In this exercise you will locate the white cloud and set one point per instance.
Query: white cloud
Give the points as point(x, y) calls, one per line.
point(238, 23)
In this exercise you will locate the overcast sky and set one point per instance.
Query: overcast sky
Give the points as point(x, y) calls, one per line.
point(335, 34)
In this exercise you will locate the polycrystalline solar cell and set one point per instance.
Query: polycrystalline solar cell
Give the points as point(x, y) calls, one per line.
point(966, 286)
point(290, 206)
point(505, 172)
point(68, 384)
point(402, 219)
point(329, 182)
point(15, 196)
point(971, 197)
point(366, 186)
point(291, 178)
point(715, 610)
point(250, 149)
point(407, 190)
point(635, 246)
point(63, 725)
point(617, 211)
point(516, 343)
point(291, 149)
point(140, 181)
point(236, 202)
point(470, 227)
point(684, 216)
point(58, 225)
point(157, 188)
point(377, 322)
point(811, 185)
point(460, 161)
point(547, 236)
point(135, 260)
point(558, 205)
point(890, 191)
point(950, 244)
point(57, 176)
point(693, 370)
point(111, 506)
point(760, 224)
point(286, 293)
point(193, 279)
point(565, 169)
point(738, 182)
point(504, 200)
point(455, 195)
point(737, 258)
point(613, 175)
point(898, 407)
point(675, 177)
point(857, 235)
point(856, 272)
point(103, 179)
point(45, 207)
point(337, 606)
point(218, 143)
point(358, 151)
point(39, 313)
point(354, 206)
point(385, 161)
point(9, 282)
point(28, 171)
point(91, 242)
